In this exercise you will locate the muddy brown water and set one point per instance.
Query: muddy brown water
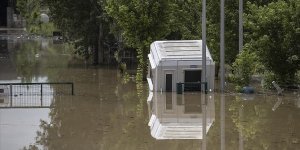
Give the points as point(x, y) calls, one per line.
point(109, 112)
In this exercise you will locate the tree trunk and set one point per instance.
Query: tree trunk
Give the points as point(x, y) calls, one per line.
point(96, 53)
point(145, 65)
point(100, 44)
point(99, 50)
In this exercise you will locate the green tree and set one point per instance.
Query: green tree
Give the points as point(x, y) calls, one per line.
point(246, 64)
point(185, 20)
point(31, 10)
point(141, 23)
point(82, 23)
point(231, 30)
point(273, 31)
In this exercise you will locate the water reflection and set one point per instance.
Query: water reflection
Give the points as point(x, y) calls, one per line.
point(18, 127)
point(222, 121)
point(23, 108)
point(7, 67)
point(31, 95)
point(33, 101)
point(174, 116)
point(107, 113)
point(265, 122)
point(31, 59)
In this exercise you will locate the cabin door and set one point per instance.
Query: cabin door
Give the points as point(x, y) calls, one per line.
point(169, 82)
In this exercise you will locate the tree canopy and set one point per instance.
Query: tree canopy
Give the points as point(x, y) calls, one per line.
point(84, 23)
point(271, 27)
point(273, 31)
point(31, 10)
point(141, 23)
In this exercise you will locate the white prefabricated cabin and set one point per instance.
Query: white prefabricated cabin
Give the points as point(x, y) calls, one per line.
point(174, 62)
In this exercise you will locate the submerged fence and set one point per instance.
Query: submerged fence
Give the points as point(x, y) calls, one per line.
point(34, 101)
point(51, 88)
point(32, 95)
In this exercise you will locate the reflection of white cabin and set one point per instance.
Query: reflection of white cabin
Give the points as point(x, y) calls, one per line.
point(172, 62)
point(175, 116)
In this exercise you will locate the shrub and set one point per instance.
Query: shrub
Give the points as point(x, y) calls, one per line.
point(268, 77)
point(245, 65)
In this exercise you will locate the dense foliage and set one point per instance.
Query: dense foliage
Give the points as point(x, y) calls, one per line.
point(271, 28)
point(246, 64)
point(31, 10)
point(80, 21)
point(141, 23)
point(273, 31)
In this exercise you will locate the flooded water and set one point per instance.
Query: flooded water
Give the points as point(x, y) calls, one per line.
point(109, 112)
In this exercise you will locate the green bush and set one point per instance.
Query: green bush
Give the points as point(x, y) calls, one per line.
point(298, 77)
point(245, 65)
point(272, 31)
point(268, 77)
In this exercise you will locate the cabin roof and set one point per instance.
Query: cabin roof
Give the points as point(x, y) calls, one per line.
point(178, 50)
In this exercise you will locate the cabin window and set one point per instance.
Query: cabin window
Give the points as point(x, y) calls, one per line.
point(192, 79)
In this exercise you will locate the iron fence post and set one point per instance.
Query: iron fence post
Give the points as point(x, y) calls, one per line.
point(205, 84)
point(41, 90)
point(10, 88)
point(72, 88)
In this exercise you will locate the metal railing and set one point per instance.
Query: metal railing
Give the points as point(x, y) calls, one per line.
point(32, 95)
point(45, 88)
point(32, 101)
point(190, 86)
